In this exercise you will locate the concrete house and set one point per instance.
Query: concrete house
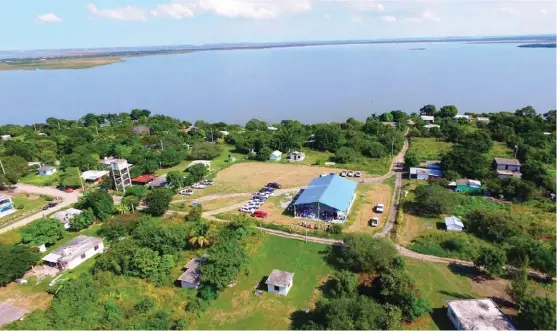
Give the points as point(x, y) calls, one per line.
point(466, 185)
point(279, 282)
point(6, 205)
point(75, 252)
point(482, 119)
point(94, 176)
point(275, 156)
point(46, 170)
point(428, 119)
point(432, 170)
point(66, 216)
point(190, 277)
point(454, 223)
point(431, 126)
point(507, 167)
point(466, 117)
point(477, 314)
point(296, 156)
point(6, 137)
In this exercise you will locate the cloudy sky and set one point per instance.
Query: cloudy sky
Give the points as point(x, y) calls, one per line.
point(38, 24)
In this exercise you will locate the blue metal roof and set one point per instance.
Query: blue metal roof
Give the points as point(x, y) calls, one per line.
point(333, 191)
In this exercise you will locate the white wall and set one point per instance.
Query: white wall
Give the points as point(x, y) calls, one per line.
point(188, 285)
point(453, 228)
point(78, 259)
point(281, 291)
point(453, 319)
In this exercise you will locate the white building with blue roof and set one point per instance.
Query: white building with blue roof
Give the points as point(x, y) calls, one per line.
point(327, 198)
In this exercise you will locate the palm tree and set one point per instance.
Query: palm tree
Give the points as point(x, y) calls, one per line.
point(122, 208)
point(198, 237)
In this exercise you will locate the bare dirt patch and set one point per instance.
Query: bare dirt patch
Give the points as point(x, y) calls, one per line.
point(373, 194)
point(25, 296)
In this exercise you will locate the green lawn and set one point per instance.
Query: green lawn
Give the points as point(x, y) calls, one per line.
point(429, 148)
point(25, 205)
point(34, 179)
point(500, 149)
point(238, 308)
point(438, 283)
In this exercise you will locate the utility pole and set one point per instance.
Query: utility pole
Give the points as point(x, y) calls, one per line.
point(162, 145)
point(515, 150)
point(2, 165)
point(80, 180)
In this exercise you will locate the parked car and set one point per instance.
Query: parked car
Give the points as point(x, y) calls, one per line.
point(274, 185)
point(350, 174)
point(198, 186)
point(380, 208)
point(50, 205)
point(357, 174)
point(186, 192)
point(206, 182)
point(343, 173)
point(260, 213)
point(332, 173)
point(374, 221)
point(68, 190)
point(323, 174)
point(246, 209)
point(60, 187)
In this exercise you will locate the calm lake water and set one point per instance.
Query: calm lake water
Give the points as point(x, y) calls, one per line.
point(311, 84)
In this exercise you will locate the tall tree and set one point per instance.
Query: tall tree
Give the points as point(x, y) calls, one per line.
point(158, 201)
point(43, 231)
point(16, 260)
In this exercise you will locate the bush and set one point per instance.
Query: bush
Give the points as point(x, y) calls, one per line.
point(346, 155)
point(204, 151)
point(336, 229)
point(158, 201)
point(363, 253)
point(448, 244)
point(433, 199)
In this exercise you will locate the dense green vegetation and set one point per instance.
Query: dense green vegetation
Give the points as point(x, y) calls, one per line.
point(16, 260)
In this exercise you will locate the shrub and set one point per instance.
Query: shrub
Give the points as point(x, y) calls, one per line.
point(204, 151)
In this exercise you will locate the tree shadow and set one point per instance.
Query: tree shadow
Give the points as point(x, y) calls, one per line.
point(441, 226)
point(440, 318)
point(332, 257)
point(457, 295)
point(504, 303)
point(303, 320)
point(467, 271)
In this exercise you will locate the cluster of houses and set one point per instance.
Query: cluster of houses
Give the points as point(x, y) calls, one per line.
point(294, 156)
point(430, 120)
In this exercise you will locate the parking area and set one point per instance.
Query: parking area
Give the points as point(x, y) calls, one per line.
point(369, 196)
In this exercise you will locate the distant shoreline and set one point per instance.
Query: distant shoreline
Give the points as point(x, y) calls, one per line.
point(83, 59)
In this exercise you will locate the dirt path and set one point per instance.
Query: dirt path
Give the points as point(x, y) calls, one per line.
point(394, 207)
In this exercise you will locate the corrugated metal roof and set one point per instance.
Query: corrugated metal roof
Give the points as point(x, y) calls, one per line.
point(453, 220)
point(333, 191)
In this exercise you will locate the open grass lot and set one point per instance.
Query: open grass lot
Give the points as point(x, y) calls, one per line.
point(429, 148)
point(369, 195)
point(500, 149)
point(34, 179)
point(238, 308)
point(26, 205)
point(366, 164)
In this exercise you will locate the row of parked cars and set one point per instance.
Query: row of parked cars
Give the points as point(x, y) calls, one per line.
point(258, 199)
point(199, 185)
point(344, 173)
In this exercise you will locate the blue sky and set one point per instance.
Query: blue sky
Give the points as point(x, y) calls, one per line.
point(51, 24)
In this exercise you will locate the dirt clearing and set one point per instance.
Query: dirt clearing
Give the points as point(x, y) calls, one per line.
point(363, 209)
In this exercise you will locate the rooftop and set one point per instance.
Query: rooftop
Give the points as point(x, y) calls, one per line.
point(333, 191)
point(453, 220)
point(63, 215)
point(500, 160)
point(93, 174)
point(427, 118)
point(73, 248)
point(480, 314)
point(46, 168)
point(192, 274)
point(10, 313)
point(469, 182)
point(143, 179)
point(280, 278)
point(158, 181)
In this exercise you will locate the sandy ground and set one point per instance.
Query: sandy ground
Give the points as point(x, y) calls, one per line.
point(373, 194)
point(21, 296)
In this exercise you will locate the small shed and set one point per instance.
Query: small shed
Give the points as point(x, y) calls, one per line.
point(272, 128)
point(296, 156)
point(6, 137)
point(191, 276)
point(275, 156)
point(94, 176)
point(279, 282)
point(477, 314)
point(419, 173)
point(468, 185)
point(46, 170)
point(454, 223)
point(431, 126)
point(482, 119)
point(466, 117)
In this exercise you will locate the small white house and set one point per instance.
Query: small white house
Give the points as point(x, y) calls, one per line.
point(46, 170)
point(454, 223)
point(6, 205)
point(224, 133)
point(275, 156)
point(66, 216)
point(428, 119)
point(272, 128)
point(6, 137)
point(482, 119)
point(477, 314)
point(466, 117)
point(75, 252)
point(279, 282)
point(93, 176)
point(431, 126)
point(190, 277)
point(296, 156)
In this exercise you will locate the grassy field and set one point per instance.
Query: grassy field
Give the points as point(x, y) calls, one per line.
point(56, 64)
point(369, 195)
point(34, 179)
point(429, 148)
point(238, 308)
point(26, 205)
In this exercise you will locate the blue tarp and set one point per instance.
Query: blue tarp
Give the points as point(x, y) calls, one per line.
point(333, 191)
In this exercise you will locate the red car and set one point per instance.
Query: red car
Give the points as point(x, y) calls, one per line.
point(68, 190)
point(260, 213)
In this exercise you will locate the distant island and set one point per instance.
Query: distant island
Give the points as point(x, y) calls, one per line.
point(89, 58)
point(545, 45)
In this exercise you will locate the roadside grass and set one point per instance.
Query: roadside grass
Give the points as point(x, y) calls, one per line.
point(11, 237)
point(238, 308)
point(429, 148)
point(459, 245)
point(25, 204)
point(34, 179)
point(438, 283)
point(470, 202)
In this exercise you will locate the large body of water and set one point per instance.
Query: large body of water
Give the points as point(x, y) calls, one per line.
point(311, 84)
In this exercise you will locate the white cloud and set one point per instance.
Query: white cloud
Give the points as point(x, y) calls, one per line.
point(509, 11)
point(427, 15)
point(254, 9)
point(48, 18)
point(177, 10)
point(126, 13)
point(357, 19)
point(368, 5)
point(390, 19)
point(543, 11)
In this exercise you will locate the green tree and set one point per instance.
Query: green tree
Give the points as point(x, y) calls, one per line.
point(175, 179)
point(493, 225)
point(346, 155)
point(344, 284)
point(537, 314)
point(386, 117)
point(158, 201)
point(363, 253)
point(83, 220)
point(16, 260)
point(171, 157)
point(263, 154)
point(198, 171)
point(518, 288)
point(433, 199)
point(137, 191)
point(429, 110)
point(328, 137)
point(43, 231)
point(100, 202)
point(375, 150)
point(256, 125)
point(527, 111)
point(448, 111)
point(478, 141)
point(225, 260)
point(199, 237)
point(467, 163)
point(15, 167)
point(70, 177)
point(204, 151)
point(411, 160)
point(194, 214)
point(492, 260)
point(24, 149)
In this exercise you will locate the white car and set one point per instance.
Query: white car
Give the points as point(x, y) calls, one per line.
point(380, 208)
point(343, 173)
point(186, 192)
point(357, 174)
point(198, 186)
point(206, 182)
point(350, 174)
point(323, 174)
point(246, 209)
point(374, 221)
